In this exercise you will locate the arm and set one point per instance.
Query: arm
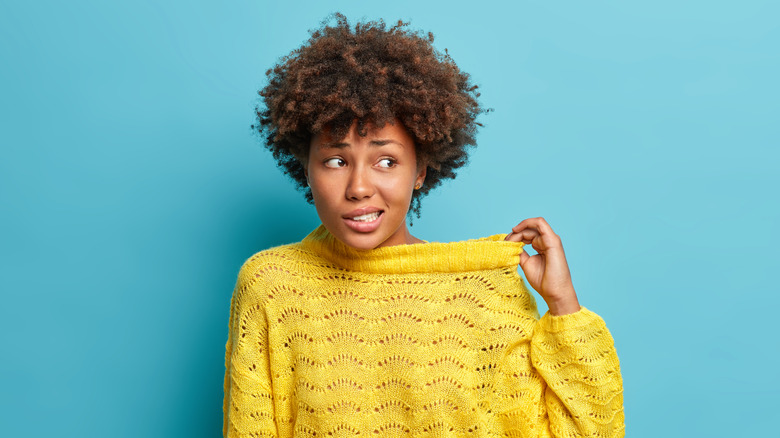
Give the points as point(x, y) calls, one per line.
point(575, 356)
point(571, 348)
point(248, 405)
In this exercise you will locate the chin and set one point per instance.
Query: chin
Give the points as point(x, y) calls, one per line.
point(381, 236)
point(361, 242)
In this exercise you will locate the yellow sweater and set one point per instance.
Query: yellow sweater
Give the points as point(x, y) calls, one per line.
point(433, 339)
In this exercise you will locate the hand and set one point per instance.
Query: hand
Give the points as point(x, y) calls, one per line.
point(547, 271)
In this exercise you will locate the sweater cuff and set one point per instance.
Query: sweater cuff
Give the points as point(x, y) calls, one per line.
point(583, 317)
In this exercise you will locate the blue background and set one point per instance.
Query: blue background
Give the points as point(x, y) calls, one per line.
point(132, 189)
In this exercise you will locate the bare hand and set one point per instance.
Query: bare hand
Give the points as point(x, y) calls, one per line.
point(547, 271)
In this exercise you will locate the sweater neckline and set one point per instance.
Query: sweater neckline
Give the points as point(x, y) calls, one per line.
point(469, 255)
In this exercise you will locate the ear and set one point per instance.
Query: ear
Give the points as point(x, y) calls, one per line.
point(422, 171)
point(304, 161)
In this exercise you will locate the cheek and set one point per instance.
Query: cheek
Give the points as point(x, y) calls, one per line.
point(323, 190)
point(318, 193)
point(397, 189)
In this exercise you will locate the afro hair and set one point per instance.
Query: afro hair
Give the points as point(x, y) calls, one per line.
point(373, 74)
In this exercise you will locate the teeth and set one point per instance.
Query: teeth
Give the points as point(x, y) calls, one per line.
point(367, 217)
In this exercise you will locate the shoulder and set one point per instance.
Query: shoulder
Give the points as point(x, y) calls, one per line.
point(258, 273)
point(273, 260)
point(277, 266)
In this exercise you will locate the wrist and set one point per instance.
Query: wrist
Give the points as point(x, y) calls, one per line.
point(563, 305)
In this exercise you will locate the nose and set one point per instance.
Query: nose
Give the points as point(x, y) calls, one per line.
point(359, 185)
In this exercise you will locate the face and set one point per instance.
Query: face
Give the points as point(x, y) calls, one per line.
point(362, 186)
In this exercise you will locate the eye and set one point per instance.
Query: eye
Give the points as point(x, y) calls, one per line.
point(387, 162)
point(335, 163)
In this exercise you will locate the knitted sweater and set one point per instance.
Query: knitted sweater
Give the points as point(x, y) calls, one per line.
point(432, 339)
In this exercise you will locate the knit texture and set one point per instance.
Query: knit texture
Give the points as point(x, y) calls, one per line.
point(433, 339)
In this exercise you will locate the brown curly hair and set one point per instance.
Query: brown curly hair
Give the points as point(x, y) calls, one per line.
point(372, 74)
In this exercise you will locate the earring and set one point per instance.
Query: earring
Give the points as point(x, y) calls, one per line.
point(417, 186)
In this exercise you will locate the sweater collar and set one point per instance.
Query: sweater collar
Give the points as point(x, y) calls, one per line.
point(471, 255)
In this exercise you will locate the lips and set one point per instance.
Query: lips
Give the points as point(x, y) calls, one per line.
point(370, 217)
point(364, 220)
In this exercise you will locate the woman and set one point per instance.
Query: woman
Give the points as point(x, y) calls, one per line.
point(364, 329)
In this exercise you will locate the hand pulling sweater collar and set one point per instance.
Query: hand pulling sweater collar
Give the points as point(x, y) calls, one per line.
point(470, 255)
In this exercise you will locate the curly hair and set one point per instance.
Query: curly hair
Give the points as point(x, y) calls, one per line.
point(371, 74)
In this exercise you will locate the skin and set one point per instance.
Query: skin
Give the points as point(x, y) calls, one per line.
point(379, 172)
point(547, 271)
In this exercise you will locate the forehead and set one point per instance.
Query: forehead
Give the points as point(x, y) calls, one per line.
point(390, 134)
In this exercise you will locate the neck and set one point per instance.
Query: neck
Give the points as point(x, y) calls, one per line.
point(401, 237)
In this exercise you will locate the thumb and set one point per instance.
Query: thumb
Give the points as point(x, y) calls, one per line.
point(523, 258)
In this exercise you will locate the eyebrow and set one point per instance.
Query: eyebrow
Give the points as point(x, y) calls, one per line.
point(377, 143)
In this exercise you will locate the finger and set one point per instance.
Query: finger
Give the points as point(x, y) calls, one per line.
point(538, 244)
point(526, 236)
point(522, 225)
point(523, 257)
point(512, 237)
point(532, 222)
point(538, 223)
point(544, 237)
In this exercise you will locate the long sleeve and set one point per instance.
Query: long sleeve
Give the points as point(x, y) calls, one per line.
point(436, 339)
point(576, 357)
point(248, 405)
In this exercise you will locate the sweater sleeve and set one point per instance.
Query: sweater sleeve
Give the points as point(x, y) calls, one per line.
point(248, 404)
point(576, 357)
